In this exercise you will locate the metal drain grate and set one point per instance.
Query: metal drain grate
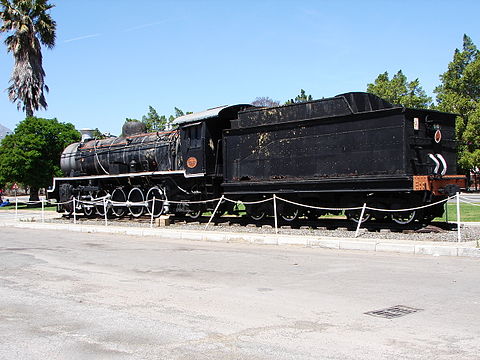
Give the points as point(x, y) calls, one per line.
point(393, 312)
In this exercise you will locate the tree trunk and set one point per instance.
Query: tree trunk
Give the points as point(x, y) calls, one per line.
point(28, 111)
point(34, 194)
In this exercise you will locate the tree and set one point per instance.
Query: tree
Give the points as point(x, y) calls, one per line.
point(302, 97)
point(31, 155)
point(153, 121)
point(265, 101)
point(29, 25)
point(97, 134)
point(459, 93)
point(400, 91)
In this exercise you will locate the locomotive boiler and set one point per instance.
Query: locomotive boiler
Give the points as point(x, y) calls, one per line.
point(339, 152)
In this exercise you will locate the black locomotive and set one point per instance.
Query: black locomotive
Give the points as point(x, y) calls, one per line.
point(339, 152)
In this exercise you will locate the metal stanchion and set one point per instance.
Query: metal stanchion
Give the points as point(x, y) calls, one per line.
point(74, 211)
point(153, 211)
point(360, 220)
point(43, 211)
point(105, 210)
point(459, 235)
point(214, 211)
point(275, 212)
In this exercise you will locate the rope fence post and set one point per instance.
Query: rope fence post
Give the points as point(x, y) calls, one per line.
point(153, 211)
point(214, 211)
point(105, 210)
point(360, 219)
point(459, 235)
point(446, 211)
point(16, 206)
point(74, 206)
point(275, 212)
point(43, 211)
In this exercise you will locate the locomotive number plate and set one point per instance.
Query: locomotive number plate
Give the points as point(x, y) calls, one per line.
point(191, 162)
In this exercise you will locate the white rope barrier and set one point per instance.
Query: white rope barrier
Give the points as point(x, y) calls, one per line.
point(367, 208)
point(468, 202)
point(248, 202)
point(106, 202)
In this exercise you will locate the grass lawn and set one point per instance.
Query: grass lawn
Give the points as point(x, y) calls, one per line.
point(31, 207)
point(468, 213)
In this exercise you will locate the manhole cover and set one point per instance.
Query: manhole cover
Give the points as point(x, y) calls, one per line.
point(393, 312)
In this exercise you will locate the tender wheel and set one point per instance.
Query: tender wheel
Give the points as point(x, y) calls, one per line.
point(289, 213)
point(255, 212)
point(135, 196)
point(379, 215)
point(118, 196)
point(195, 210)
point(159, 196)
point(354, 215)
point(99, 208)
point(404, 217)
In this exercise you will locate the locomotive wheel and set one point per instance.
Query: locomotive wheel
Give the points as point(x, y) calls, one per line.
point(88, 209)
point(68, 207)
point(99, 209)
point(136, 196)
point(118, 195)
point(404, 217)
point(354, 215)
point(159, 196)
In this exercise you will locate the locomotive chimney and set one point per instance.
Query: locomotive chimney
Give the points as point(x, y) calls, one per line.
point(87, 134)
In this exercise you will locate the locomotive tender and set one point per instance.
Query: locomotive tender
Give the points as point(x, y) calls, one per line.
point(337, 152)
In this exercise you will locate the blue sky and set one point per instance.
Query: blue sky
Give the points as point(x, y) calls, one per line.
point(114, 58)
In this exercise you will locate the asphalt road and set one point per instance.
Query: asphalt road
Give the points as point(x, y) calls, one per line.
point(100, 296)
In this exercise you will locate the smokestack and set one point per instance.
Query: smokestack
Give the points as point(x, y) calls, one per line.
point(87, 134)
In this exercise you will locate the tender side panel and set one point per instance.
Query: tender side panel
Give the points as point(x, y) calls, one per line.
point(317, 150)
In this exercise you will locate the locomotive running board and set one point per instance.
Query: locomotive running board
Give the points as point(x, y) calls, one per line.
point(145, 173)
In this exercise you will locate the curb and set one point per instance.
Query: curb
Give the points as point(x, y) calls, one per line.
point(413, 248)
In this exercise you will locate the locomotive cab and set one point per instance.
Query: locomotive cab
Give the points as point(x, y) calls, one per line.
point(201, 139)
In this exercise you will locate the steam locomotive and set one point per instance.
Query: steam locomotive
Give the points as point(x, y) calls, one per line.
point(338, 152)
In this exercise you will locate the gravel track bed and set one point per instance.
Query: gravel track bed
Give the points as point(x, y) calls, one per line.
point(430, 233)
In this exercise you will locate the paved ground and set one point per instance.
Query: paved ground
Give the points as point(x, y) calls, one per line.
point(100, 296)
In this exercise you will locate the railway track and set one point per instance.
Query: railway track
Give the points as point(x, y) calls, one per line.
point(328, 224)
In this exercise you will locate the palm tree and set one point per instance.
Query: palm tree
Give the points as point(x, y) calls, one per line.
point(28, 25)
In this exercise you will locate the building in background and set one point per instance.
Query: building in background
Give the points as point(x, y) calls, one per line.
point(4, 131)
